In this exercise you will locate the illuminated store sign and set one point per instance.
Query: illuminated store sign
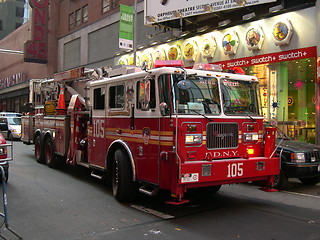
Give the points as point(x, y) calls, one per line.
point(270, 58)
point(36, 49)
point(165, 10)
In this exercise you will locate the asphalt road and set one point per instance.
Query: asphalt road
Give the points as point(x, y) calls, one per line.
point(68, 204)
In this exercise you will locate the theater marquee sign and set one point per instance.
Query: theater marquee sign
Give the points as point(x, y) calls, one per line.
point(36, 49)
point(165, 10)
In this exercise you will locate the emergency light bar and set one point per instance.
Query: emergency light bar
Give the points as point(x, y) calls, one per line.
point(168, 63)
point(209, 67)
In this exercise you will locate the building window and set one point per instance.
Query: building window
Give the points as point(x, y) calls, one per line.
point(78, 17)
point(19, 12)
point(85, 14)
point(105, 5)
point(115, 3)
point(71, 21)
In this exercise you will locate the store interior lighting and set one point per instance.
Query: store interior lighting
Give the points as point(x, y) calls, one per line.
point(152, 43)
point(177, 14)
point(150, 19)
point(140, 46)
point(185, 33)
point(207, 8)
point(248, 16)
point(203, 29)
point(275, 9)
point(224, 23)
point(169, 39)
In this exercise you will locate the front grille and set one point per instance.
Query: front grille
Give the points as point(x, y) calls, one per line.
point(313, 156)
point(222, 135)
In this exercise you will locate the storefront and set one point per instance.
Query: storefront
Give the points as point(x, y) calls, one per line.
point(281, 51)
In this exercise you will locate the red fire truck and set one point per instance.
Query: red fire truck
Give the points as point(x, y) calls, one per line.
point(166, 128)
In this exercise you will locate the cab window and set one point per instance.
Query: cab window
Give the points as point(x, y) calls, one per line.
point(98, 98)
point(116, 96)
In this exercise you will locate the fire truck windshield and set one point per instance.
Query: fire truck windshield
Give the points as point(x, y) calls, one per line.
point(239, 97)
point(200, 95)
point(194, 95)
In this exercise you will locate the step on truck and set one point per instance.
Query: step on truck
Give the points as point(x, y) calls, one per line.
point(169, 128)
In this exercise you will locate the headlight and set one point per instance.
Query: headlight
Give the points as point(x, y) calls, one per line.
point(193, 138)
point(3, 150)
point(298, 157)
point(251, 137)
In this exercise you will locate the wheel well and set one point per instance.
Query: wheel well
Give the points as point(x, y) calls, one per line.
point(109, 159)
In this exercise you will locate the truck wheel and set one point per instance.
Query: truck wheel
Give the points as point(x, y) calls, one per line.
point(123, 188)
point(49, 155)
point(281, 180)
point(310, 181)
point(38, 151)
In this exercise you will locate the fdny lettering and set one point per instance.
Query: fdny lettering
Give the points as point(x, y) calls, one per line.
point(225, 154)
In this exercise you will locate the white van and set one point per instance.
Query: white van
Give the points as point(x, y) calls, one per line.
point(10, 127)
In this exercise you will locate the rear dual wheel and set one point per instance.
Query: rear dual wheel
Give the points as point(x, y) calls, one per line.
point(38, 150)
point(49, 156)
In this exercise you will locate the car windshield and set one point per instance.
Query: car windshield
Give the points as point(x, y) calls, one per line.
point(14, 121)
point(239, 97)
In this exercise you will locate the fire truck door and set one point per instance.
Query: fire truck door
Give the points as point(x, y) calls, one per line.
point(97, 138)
point(147, 123)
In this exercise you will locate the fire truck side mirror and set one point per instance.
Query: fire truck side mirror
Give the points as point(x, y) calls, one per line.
point(163, 108)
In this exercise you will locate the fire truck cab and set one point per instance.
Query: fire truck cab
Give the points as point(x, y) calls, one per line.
point(166, 128)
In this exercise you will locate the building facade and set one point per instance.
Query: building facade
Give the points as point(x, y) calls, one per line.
point(12, 15)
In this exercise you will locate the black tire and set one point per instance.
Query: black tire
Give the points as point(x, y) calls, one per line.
point(281, 180)
point(38, 150)
point(10, 137)
point(49, 156)
point(123, 187)
point(310, 181)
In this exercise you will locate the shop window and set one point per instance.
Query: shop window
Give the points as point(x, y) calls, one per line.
point(78, 17)
point(105, 6)
point(98, 99)
point(85, 14)
point(116, 96)
point(288, 95)
point(71, 20)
